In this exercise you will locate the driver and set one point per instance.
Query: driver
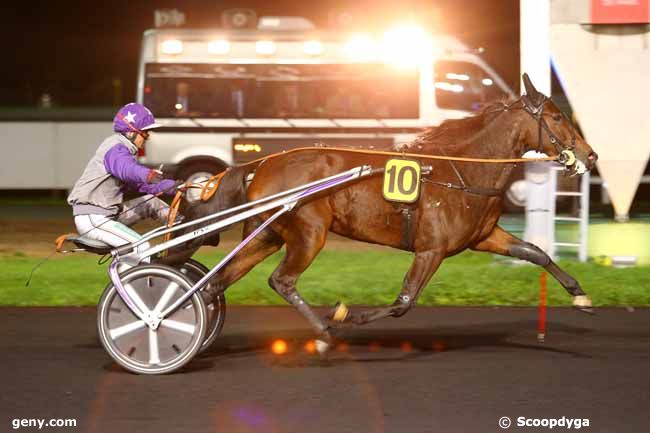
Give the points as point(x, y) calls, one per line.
point(97, 197)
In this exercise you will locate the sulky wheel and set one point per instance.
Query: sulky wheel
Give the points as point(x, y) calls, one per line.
point(136, 346)
point(194, 270)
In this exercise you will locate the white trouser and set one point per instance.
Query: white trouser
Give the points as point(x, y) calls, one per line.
point(116, 232)
point(111, 232)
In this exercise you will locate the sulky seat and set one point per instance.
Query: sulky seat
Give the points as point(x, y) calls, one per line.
point(90, 245)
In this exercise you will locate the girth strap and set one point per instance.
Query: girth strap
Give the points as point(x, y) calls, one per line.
point(407, 227)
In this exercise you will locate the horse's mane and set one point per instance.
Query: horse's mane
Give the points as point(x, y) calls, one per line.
point(453, 132)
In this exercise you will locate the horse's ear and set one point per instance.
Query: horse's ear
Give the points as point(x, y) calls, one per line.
point(533, 94)
point(528, 85)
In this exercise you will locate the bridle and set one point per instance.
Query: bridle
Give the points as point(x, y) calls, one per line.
point(535, 107)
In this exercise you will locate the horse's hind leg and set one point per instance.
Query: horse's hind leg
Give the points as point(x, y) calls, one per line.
point(259, 248)
point(305, 238)
point(503, 243)
point(424, 266)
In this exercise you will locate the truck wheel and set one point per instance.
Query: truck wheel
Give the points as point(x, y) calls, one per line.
point(198, 171)
point(195, 170)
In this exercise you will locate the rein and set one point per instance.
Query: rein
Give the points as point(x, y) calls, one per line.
point(212, 184)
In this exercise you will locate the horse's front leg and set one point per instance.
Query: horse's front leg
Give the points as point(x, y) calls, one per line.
point(423, 267)
point(503, 243)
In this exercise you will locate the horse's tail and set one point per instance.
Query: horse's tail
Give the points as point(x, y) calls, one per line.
point(232, 188)
point(231, 192)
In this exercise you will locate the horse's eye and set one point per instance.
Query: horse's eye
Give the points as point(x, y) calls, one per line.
point(557, 117)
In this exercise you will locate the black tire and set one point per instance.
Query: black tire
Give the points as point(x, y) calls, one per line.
point(199, 168)
point(194, 271)
point(167, 348)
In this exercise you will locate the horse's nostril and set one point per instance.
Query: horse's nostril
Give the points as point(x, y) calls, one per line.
point(593, 157)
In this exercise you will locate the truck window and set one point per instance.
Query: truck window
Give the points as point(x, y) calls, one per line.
point(464, 86)
point(281, 91)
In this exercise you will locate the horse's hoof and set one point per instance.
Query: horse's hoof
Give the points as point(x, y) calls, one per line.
point(587, 310)
point(583, 303)
point(322, 347)
point(341, 312)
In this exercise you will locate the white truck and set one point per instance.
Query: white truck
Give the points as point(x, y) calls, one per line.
point(230, 95)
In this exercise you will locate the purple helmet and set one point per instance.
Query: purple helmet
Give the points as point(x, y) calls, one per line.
point(134, 117)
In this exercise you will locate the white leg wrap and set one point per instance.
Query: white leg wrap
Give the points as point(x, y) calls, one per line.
point(582, 301)
point(341, 313)
point(321, 346)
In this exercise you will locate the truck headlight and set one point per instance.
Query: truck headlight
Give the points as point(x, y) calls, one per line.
point(313, 48)
point(219, 47)
point(172, 46)
point(407, 46)
point(265, 48)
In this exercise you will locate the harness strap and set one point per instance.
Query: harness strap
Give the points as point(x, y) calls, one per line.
point(212, 185)
point(476, 190)
point(173, 213)
point(463, 186)
point(407, 227)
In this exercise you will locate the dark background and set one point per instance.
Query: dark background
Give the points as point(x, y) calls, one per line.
point(76, 50)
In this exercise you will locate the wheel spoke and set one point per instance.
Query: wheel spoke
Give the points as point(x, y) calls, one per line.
point(154, 353)
point(137, 300)
point(167, 295)
point(178, 326)
point(120, 331)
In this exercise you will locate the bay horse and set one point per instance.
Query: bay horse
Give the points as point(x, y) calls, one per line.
point(458, 208)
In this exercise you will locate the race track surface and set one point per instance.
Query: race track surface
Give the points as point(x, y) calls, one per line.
point(445, 370)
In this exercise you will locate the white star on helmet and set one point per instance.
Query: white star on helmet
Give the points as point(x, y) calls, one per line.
point(130, 117)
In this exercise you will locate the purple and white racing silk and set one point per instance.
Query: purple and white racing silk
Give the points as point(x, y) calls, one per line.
point(119, 162)
point(113, 168)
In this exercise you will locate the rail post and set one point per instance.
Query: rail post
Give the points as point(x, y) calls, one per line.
point(541, 320)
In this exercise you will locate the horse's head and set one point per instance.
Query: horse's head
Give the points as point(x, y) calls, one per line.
point(549, 131)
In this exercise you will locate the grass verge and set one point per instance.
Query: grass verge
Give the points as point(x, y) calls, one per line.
point(354, 277)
